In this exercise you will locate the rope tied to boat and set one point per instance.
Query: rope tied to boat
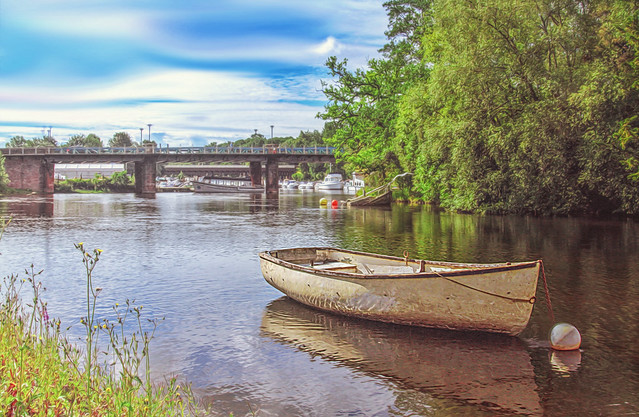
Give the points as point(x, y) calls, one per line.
point(526, 300)
point(547, 292)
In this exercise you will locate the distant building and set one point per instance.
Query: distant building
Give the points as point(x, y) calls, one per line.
point(86, 170)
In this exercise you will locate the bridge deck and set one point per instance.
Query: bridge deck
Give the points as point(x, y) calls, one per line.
point(33, 168)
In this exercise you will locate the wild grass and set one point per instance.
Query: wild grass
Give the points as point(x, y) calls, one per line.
point(42, 373)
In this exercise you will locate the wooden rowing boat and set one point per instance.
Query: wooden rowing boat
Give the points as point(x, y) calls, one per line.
point(495, 298)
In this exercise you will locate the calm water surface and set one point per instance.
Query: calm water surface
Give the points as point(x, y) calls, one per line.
point(193, 260)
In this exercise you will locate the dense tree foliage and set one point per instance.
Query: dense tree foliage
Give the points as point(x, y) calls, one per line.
point(363, 104)
point(89, 141)
point(20, 141)
point(505, 105)
point(118, 182)
point(258, 140)
point(121, 139)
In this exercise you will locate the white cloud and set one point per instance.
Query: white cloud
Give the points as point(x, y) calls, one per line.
point(180, 105)
point(329, 47)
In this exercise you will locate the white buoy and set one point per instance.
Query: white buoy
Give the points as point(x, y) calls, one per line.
point(564, 336)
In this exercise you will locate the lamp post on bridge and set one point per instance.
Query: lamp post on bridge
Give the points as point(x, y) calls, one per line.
point(141, 139)
point(149, 125)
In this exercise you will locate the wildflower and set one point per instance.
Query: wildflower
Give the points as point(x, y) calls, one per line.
point(95, 326)
point(104, 326)
point(99, 250)
point(45, 314)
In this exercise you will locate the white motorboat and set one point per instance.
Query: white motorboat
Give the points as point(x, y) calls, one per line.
point(310, 185)
point(331, 182)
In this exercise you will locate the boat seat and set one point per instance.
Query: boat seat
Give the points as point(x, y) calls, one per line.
point(393, 269)
point(336, 266)
point(385, 269)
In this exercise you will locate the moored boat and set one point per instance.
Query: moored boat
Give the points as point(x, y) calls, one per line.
point(331, 182)
point(226, 185)
point(495, 298)
point(378, 197)
point(309, 185)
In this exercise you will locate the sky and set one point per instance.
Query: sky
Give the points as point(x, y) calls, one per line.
point(198, 71)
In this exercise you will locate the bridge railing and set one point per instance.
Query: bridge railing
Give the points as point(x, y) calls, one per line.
point(74, 150)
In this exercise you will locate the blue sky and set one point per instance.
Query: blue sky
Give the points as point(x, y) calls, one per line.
point(197, 70)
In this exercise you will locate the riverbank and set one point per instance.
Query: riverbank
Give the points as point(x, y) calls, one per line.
point(43, 373)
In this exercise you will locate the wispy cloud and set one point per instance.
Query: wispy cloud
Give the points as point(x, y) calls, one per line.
point(197, 70)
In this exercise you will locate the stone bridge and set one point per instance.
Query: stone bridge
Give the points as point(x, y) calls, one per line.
point(33, 168)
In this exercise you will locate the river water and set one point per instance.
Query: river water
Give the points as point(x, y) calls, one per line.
point(192, 259)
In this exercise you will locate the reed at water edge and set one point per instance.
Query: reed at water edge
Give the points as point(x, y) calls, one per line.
point(42, 373)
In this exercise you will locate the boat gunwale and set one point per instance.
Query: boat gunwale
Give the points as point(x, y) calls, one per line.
point(475, 269)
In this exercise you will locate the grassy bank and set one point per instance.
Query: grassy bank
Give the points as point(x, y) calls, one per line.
point(42, 373)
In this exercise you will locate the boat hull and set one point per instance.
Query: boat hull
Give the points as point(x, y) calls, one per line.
point(495, 298)
point(330, 186)
point(383, 199)
point(203, 187)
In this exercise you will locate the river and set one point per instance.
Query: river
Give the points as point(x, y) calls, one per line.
point(192, 259)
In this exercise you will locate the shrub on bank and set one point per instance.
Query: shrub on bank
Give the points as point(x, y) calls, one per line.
point(118, 182)
point(43, 373)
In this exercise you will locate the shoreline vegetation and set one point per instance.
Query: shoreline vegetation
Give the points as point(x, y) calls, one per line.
point(119, 182)
point(42, 372)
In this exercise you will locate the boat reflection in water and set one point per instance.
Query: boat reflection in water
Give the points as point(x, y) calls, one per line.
point(490, 372)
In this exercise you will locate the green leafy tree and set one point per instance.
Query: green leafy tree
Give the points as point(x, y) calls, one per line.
point(20, 141)
point(519, 109)
point(45, 141)
point(121, 139)
point(363, 103)
point(621, 34)
point(120, 180)
point(76, 140)
point(16, 142)
point(93, 141)
point(89, 141)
